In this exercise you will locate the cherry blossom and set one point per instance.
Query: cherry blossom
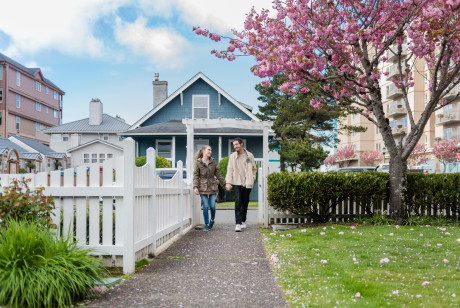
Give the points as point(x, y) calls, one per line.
point(425, 283)
point(446, 152)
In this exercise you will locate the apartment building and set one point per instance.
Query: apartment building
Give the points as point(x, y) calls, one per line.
point(443, 124)
point(29, 102)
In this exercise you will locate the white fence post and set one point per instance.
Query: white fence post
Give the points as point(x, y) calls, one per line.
point(261, 203)
point(180, 171)
point(152, 231)
point(128, 207)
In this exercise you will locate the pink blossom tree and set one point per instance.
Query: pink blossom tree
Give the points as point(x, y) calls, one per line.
point(446, 152)
point(329, 161)
point(369, 157)
point(344, 44)
point(344, 154)
point(418, 156)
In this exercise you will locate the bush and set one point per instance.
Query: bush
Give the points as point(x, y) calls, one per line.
point(22, 170)
point(18, 202)
point(38, 271)
point(161, 162)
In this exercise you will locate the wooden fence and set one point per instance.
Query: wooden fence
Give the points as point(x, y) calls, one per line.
point(121, 210)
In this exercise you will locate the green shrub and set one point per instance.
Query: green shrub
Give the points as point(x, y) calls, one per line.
point(18, 202)
point(381, 219)
point(22, 170)
point(38, 271)
point(161, 162)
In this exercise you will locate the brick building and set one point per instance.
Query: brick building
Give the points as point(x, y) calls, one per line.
point(29, 102)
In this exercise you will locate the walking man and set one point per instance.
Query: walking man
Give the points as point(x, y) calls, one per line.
point(241, 174)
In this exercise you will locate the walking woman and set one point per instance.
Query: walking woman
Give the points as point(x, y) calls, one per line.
point(206, 178)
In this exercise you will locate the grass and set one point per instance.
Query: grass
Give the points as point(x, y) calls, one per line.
point(232, 204)
point(336, 265)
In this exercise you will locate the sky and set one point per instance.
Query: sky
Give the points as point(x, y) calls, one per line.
point(111, 49)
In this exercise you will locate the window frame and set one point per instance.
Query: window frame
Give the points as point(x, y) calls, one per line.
point(158, 148)
point(86, 158)
point(38, 86)
point(193, 105)
point(38, 106)
point(104, 137)
point(56, 115)
point(65, 137)
point(18, 79)
point(37, 126)
point(449, 129)
point(18, 123)
point(55, 95)
point(18, 101)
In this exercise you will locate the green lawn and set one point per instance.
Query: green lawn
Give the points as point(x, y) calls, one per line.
point(232, 204)
point(369, 266)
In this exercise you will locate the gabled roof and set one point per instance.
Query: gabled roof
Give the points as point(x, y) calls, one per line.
point(31, 71)
point(39, 147)
point(92, 142)
point(8, 145)
point(241, 106)
point(109, 124)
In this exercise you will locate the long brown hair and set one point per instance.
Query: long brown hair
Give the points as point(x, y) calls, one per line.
point(199, 154)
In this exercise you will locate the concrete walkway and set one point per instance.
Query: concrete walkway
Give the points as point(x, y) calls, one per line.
point(219, 268)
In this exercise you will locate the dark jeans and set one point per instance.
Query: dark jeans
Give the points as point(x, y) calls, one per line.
point(241, 203)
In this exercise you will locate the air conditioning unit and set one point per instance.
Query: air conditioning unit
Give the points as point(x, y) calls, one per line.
point(440, 116)
point(399, 106)
point(399, 125)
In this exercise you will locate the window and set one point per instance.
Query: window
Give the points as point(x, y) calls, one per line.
point(55, 113)
point(37, 126)
point(393, 124)
point(355, 147)
point(354, 116)
point(426, 78)
point(109, 156)
point(18, 101)
point(49, 162)
point(377, 130)
point(426, 98)
point(164, 148)
point(55, 95)
point(101, 157)
point(1, 93)
point(94, 158)
point(447, 133)
point(38, 106)
point(18, 79)
point(1, 72)
point(46, 90)
point(404, 140)
point(17, 123)
point(46, 109)
point(377, 146)
point(354, 134)
point(426, 140)
point(65, 137)
point(38, 86)
point(86, 158)
point(200, 106)
point(1, 116)
point(404, 122)
point(121, 138)
point(447, 110)
point(105, 137)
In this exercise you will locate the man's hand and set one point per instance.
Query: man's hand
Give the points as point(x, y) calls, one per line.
point(228, 187)
point(196, 191)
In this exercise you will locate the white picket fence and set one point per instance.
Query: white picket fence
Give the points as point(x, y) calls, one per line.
point(121, 210)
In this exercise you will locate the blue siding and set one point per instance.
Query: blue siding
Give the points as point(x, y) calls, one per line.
point(175, 111)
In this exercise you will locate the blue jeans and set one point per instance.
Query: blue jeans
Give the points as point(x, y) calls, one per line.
point(208, 201)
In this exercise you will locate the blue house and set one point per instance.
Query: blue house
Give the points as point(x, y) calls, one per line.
point(199, 98)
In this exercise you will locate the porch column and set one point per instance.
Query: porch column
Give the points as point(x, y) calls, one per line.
point(173, 151)
point(220, 148)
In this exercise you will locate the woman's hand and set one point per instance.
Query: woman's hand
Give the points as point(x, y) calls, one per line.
point(228, 187)
point(196, 191)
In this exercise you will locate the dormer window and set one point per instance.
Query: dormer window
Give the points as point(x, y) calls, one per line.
point(200, 106)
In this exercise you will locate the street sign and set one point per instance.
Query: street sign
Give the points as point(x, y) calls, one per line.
point(458, 157)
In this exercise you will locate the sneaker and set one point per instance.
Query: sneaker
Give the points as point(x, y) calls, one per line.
point(243, 225)
point(211, 223)
point(238, 228)
point(206, 228)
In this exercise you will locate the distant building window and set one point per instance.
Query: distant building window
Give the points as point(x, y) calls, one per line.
point(447, 110)
point(18, 78)
point(46, 90)
point(404, 122)
point(38, 86)
point(55, 95)
point(354, 134)
point(65, 137)
point(354, 116)
point(55, 113)
point(447, 133)
point(17, 122)
point(1, 72)
point(426, 78)
point(109, 156)
point(46, 109)
point(18, 101)
point(86, 158)
point(101, 157)
point(94, 158)
point(105, 137)
point(38, 106)
point(121, 138)
point(355, 147)
point(426, 98)
point(1, 93)
point(49, 162)
point(37, 126)
point(200, 106)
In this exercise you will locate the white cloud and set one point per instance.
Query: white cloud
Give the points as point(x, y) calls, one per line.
point(161, 45)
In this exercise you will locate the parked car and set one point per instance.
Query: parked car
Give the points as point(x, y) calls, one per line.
point(168, 173)
point(383, 168)
point(356, 169)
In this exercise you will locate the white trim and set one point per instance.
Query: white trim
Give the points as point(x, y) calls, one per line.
point(219, 99)
point(182, 98)
point(193, 105)
point(92, 142)
point(185, 86)
point(173, 152)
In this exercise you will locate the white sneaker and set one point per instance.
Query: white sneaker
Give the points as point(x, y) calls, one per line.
point(238, 228)
point(243, 225)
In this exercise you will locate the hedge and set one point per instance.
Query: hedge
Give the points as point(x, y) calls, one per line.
point(161, 162)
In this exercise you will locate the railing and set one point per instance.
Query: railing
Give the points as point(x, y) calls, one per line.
point(125, 211)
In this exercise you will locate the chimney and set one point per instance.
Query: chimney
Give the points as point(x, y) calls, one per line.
point(95, 112)
point(160, 91)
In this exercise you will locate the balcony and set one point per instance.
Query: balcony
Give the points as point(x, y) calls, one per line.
point(392, 56)
point(398, 110)
point(452, 93)
point(393, 91)
point(446, 119)
point(392, 71)
point(399, 130)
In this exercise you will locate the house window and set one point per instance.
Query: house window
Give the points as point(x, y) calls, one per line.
point(38, 86)
point(65, 137)
point(101, 157)
point(18, 101)
point(447, 133)
point(37, 126)
point(230, 145)
point(1, 116)
point(121, 138)
point(109, 156)
point(377, 130)
point(200, 106)
point(55, 113)
point(49, 162)
point(46, 109)
point(17, 123)
point(46, 90)
point(1, 93)
point(55, 95)
point(38, 106)
point(164, 148)
point(404, 122)
point(86, 158)
point(199, 143)
point(377, 146)
point(447, 110)
point(18, 79)
point(94, 158)
point(105, 137)
point(393, 124)
point(1, 72)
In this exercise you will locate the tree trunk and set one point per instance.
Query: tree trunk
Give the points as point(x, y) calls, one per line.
point(398, 178)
